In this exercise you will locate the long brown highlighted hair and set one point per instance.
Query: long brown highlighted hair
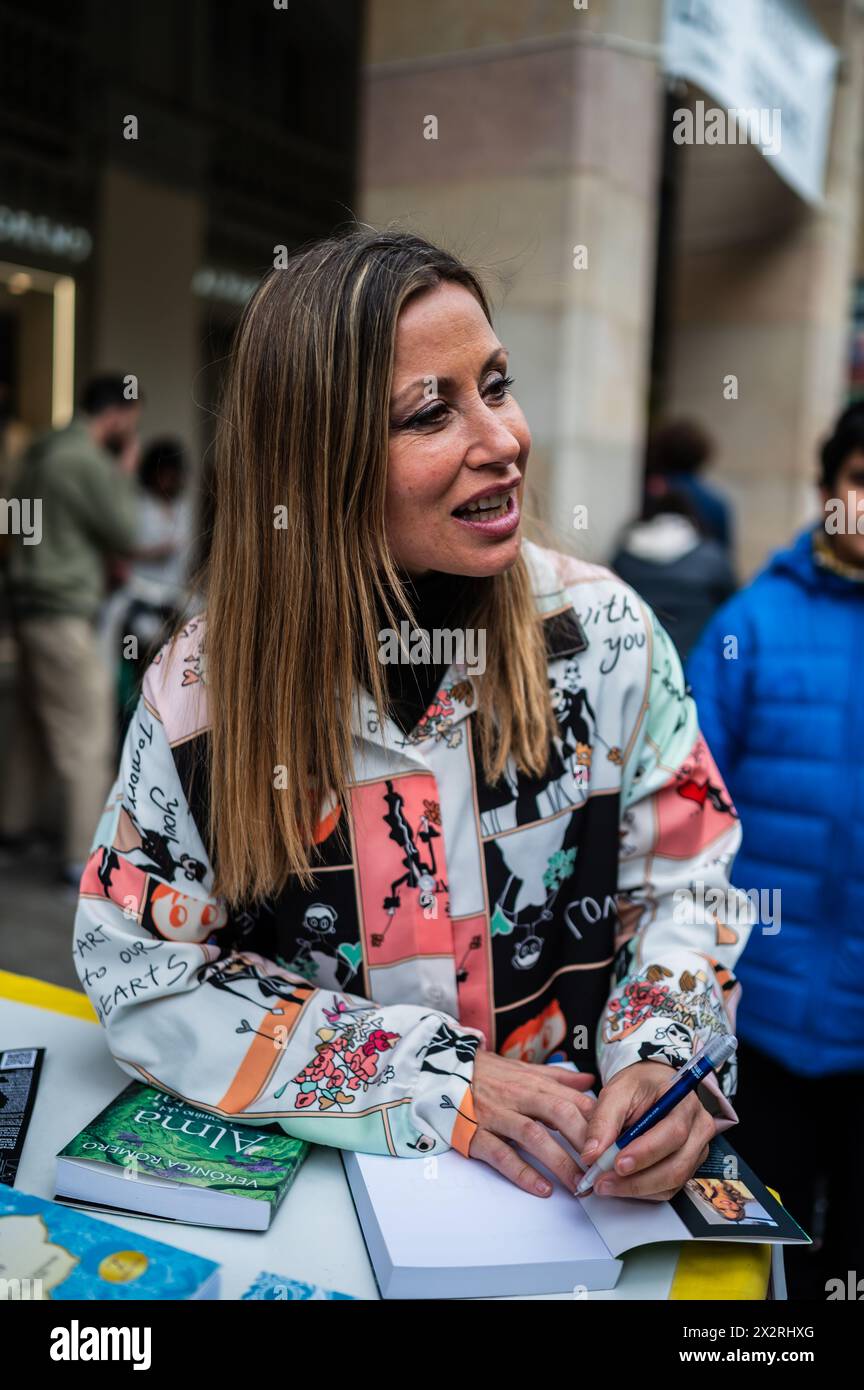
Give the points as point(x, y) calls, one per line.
point(300, 570)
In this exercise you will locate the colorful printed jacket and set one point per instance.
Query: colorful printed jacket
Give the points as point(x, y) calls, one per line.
point(550, 919)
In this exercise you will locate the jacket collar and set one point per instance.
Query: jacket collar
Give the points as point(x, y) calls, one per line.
point(454, 701)
point(564, 635)
point(800, 561)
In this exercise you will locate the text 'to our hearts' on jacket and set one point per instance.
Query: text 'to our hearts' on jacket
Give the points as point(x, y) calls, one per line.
point(549, 918)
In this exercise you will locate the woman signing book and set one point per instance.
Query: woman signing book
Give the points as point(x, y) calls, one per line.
point(416, 806)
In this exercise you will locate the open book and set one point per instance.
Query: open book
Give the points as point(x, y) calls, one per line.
point(451, 1227)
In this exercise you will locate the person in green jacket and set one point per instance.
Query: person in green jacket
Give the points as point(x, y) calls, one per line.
point(75, 486)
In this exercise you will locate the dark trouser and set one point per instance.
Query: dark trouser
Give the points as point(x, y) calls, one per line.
point(804, 1136)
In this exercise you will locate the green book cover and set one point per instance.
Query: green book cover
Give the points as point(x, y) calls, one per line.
point(148, 1131)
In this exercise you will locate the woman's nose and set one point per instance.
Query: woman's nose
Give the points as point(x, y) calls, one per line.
point(493, 441)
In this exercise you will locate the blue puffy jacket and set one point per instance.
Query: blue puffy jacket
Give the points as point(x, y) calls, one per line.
point(785, 723)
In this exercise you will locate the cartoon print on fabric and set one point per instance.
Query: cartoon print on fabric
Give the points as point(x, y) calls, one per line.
point(540, 1039)
point(316, 948)
point(349, 1052)
point(193, 669)
point(175, 916)
point(404, 897)
point(446, 1041)
point(437, 722)
point(693, 809)
point(535, 865)
point(346, 1059)
point(726, 934)
point(459, 1049)
point(232, 972)
point(693, 1007)
point(154, 849)
point(420, 873)
point(315, 930)
point(107, 875)
point(521, 799)
point(193, 660)
point(475, 943)
point(573, 710)
point(636, 907)
point(694, 782)
point(672, 1044)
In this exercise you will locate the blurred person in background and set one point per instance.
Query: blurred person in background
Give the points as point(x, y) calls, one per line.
point(154, 589)
point(82, 476)
point(681, 573)
point(164, 522)
point(777, 677)
point(678, 451)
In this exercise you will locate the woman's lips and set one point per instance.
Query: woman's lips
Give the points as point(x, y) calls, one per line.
point(495, 526)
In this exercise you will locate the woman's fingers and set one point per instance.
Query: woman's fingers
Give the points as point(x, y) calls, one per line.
point(608, 1120)
point(661, 1180)
point(531, 1128)
point(524, 1102)
point(668, 1136)
point(562, 1113)
point(527, 1104)
point(535, 1139)
point(561, 1102)
point(576, 1080)
point(501, 1156)
point(689, 1124)
point(555, 1081)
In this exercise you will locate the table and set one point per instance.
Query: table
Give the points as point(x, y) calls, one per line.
point(315, 1235)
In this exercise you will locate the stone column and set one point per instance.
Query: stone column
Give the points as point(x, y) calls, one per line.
point(547, 141)
point(146, 319)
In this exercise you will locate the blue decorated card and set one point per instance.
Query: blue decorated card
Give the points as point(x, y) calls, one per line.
point(276, 1286)
point(48, 1251)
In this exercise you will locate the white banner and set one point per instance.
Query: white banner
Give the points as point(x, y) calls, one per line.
point(772, 70)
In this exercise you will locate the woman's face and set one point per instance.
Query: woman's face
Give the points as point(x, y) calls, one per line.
point(459, 443)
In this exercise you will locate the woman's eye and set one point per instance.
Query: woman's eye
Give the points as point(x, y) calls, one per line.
point(499, 388)
point(435, 415)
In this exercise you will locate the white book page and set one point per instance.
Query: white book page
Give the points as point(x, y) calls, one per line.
point(449, 1211)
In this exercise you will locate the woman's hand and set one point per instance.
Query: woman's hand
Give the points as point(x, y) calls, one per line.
point(657, 1164)
point(523, 1102)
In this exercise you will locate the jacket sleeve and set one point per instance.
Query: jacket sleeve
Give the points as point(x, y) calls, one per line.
point(683, 925)
point(187, 1009)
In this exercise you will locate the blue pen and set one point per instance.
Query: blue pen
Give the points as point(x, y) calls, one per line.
point(711, 1058)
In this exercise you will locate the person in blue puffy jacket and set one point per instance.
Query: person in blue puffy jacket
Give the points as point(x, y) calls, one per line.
point(778, 676)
